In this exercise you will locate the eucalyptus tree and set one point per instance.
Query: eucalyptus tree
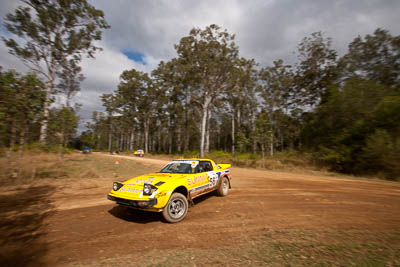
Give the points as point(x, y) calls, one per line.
point(52, 36)
point(63, 123)
point(138, 93)
point(276, 84)
point(69, 80)
point(110, 103)
point(316, 70)
point(357, 128)
point(239, 97)
point(374, 57)
point(208, 57)
point(248, 83)
point(98, 130)
point(262, 133)
point(174, 102)
point(21, 99)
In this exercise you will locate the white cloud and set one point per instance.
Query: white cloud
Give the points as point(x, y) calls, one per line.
point(102, 76)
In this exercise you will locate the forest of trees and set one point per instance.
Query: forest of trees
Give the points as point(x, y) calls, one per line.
point(343, 111)
point(55, 34)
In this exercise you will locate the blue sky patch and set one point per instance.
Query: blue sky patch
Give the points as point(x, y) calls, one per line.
point(135, 56)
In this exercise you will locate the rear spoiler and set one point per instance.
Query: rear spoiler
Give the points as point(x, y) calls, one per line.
point(225, 166)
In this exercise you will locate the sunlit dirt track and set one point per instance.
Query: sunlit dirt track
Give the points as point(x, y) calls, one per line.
point(81, 226)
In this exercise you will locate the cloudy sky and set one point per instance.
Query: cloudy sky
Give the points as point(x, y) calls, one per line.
point(143, 32)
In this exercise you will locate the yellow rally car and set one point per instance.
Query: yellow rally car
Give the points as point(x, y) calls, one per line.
point(139, 153)
point(172, 189)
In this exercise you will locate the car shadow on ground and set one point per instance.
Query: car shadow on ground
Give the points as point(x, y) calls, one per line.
point(136, 216)
point(199, 200)
point(22, 226)
point(143, 217)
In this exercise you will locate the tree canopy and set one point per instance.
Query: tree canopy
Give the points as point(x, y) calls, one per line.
point(52, 38)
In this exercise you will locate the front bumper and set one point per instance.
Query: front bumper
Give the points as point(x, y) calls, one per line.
point(134, 203)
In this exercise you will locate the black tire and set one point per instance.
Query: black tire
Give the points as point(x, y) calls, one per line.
point(176, 208)
point(223, 187)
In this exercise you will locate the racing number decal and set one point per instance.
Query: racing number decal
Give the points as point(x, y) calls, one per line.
point(212, 178)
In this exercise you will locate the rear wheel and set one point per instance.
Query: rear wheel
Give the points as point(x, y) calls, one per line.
point(223, 187)
point(176, 209)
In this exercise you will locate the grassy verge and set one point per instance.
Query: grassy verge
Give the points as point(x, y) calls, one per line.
point(34, 166)
point(280, 161)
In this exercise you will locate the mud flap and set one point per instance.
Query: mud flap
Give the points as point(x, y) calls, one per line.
point(190, 201)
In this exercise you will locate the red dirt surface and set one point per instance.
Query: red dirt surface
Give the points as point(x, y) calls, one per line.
point(62, 224)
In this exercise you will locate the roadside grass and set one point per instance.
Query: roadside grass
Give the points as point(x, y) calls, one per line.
point(34, 166)
point(287, 160)
point(278, 248)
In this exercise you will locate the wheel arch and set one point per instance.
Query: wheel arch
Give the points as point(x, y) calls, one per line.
point(222, 177)
point(183, 190)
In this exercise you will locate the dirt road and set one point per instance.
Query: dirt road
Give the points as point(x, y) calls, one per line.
point(77, 225)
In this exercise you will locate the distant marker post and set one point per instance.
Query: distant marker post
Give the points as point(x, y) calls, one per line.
point(117, 161)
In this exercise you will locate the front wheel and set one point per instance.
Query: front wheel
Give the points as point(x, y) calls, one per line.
point(176, 209)
point(223, 187)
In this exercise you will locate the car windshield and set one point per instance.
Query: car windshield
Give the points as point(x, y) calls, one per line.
point(177, 167)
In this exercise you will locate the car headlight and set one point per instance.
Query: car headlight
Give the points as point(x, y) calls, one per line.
point(149, 189)
point(117, 186)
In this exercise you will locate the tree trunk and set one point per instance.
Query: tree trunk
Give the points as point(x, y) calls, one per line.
point(132, 139)
point(150, 143)
point(169, 135)
point(178, 139)
point(159, 140)
point(121, 142)
point(12, 137)
point(233, 132)
point(110, 141)
point(146, 134)
point(253, 131)
point(186, 141)
point(43, 125)
point(218, 138)
point(170, 143)
point(154, 143)
point(110, 134)
point(186, 130)
point(271, 143)
point(98, 136)
point(263, 154)
point(238, 118)
point(205, 108)
point(22, 139)
point(225, 145)
point(207, 145)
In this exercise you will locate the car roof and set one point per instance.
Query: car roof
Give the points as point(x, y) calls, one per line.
point(195, 159)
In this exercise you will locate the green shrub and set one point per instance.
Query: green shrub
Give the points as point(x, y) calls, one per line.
point(382, 154)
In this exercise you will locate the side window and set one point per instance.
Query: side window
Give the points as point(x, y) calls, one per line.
point(198, 169)
point(207, 166)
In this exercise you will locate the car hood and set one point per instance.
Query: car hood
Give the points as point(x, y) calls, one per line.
point(133, 188)
point(152, 178)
